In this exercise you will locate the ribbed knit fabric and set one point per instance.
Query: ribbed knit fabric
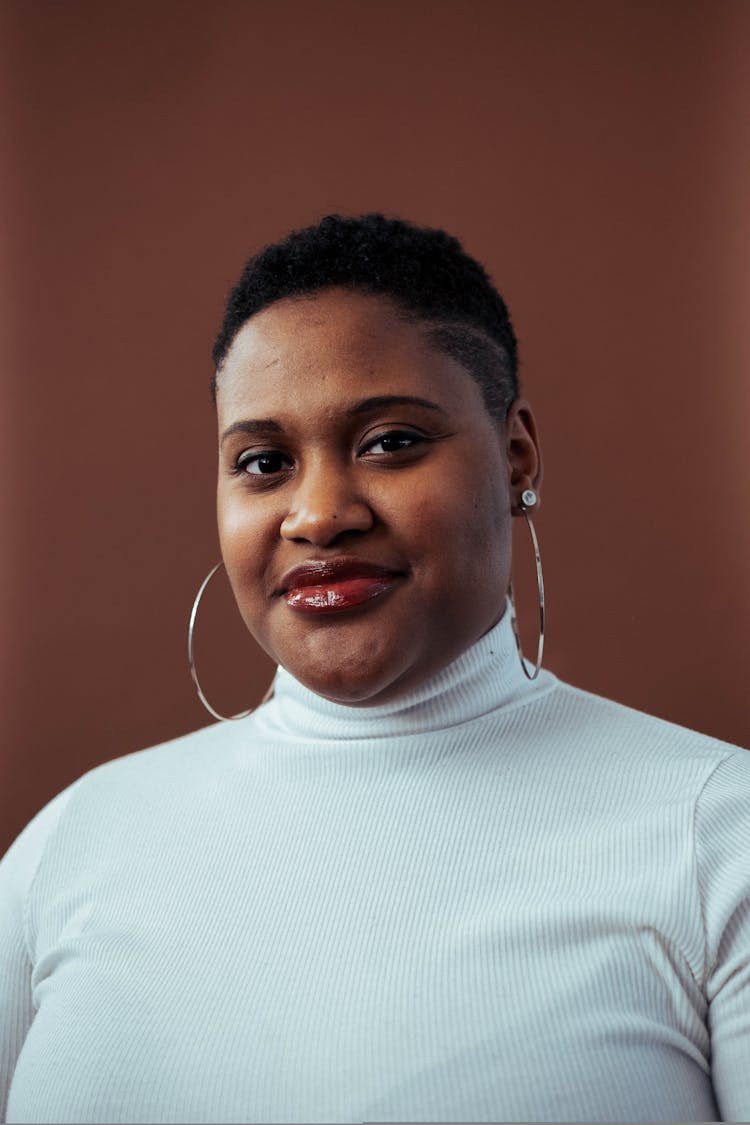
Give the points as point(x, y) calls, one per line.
point(493, 900)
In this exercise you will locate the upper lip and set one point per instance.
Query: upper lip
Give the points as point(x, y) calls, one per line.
point(319, 571)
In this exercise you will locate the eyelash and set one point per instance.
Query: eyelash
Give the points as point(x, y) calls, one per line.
point(413, 439)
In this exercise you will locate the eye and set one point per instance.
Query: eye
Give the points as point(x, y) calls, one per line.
point(395, 441)
point(264, 463)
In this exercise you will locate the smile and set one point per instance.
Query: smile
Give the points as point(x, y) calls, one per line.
point(337, 596)
point(336, 585)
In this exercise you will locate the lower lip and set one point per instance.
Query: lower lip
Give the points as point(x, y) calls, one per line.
point(338, 596)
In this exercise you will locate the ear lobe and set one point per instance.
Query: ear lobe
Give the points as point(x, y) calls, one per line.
point(523, 452)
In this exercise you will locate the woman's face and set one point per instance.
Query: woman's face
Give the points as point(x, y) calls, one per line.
point(364, 495)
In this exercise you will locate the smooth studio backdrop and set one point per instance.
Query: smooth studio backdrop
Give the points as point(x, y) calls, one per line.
point(594, 155)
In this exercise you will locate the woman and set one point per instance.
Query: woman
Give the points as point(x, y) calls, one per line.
point(422, 882)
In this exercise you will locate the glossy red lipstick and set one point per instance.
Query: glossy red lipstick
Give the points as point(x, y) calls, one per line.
point(334, 585)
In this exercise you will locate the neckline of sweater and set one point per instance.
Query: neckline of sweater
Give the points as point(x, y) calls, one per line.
point(486, 678)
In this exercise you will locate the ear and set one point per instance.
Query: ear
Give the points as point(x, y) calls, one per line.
point(523, 452)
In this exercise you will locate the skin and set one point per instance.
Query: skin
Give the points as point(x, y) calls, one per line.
point(434, 504)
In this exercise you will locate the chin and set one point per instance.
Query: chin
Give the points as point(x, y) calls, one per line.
point(350, 689)
point(346, 659)
point(354, 679)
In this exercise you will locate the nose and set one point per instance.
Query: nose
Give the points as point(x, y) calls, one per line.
point(324, 505)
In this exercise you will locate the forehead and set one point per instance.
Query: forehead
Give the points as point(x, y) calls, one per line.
point(335, 347)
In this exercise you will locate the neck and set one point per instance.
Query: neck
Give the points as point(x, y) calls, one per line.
point(484, 678)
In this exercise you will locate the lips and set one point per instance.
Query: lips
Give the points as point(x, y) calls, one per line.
point(333, 585)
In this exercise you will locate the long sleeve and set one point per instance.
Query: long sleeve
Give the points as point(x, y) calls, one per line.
point(722, 830)
point(17, 870)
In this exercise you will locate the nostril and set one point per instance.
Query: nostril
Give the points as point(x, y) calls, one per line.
point(320, 524)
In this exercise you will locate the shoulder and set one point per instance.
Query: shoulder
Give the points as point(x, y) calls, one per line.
point(112, 788)
point(608, 736)
point(174, 762)
point(617, 720)
point(20, 863)
point(722, 836)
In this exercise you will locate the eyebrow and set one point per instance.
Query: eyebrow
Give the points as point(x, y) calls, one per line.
point(252, 426)
point(376, 402)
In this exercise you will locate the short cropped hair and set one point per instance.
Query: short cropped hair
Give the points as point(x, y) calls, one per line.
point(426, 273)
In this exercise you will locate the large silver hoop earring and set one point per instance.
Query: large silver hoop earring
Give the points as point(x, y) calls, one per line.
point(528, 500)
point(191, 659)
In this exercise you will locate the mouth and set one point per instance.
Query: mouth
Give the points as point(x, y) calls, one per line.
point(336, 585)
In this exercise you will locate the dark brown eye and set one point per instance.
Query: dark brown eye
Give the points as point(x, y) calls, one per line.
point(393, 442)
point(257, 464)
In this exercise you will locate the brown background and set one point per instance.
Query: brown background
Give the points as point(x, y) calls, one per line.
point(592, 154)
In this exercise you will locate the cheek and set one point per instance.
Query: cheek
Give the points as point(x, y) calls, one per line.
point(245, 535)
point(483, 537)
point(234, 529)
point(458, 533)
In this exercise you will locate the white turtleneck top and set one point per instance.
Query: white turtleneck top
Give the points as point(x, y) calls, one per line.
point(492, 900)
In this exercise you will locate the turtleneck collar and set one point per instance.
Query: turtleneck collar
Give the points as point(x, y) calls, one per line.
point(483, 679)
